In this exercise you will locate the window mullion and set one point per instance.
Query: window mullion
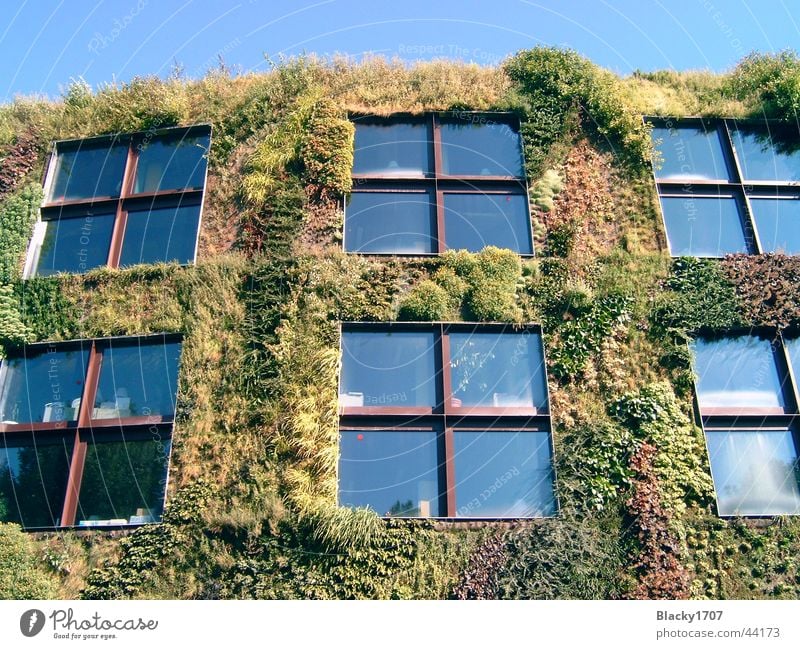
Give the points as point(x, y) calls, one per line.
point(122, 213)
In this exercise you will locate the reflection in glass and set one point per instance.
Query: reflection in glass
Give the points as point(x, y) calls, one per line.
point(396, 473)
point(793, 346)
point(737, 373)
point(386, 369)
point(45, 386)
point(474, 221)
point(399, 150)
point(123, 482)
point(33, 479)
point(755, 472)
point(778, 224)
point(171, 164)
point(75, 245)
point(90, 171)
point(703, 227)
point(481, 150)
point(137, 380)
point(391, 222)
point(767, 153)
point(498, 370)
point(690, 153)
point(160, 235)
point(503, 474)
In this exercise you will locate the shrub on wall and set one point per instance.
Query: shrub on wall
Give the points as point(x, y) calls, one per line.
point(21, 574)
point(769, 83)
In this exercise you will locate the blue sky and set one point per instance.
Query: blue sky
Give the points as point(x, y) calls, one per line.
point(44, 43)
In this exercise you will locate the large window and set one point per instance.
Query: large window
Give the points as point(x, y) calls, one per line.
point(728, 186)
point(86, 431)
point(445, 420)
point(748, 403)
point(425, 184)
point(121, 200)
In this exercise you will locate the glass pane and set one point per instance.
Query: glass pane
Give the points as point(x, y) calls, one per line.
point(503, 474)
point(123, 482)
point(703, 227)
point(172, 164)
point(778, 224)
point(689, 153)
point(400, 150)
point(396, 473)
point(75, 245)
point(474, 221)
point(137, 380)
point(381, 369)
point(737, 373)
point(44, 386)
point(481, 150)
point(165, 234)
point(90, 171)
point(390, 222)
point(755, 472)
point(33, 479)
point(768, 153)
point(497, 370)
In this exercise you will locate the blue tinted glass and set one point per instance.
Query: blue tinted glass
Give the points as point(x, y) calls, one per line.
point(388, 369)
point(474, 221)
point(90, 171)
point(137, 380)
point(688, 153)
point(755, 472)
point(771, 153)
point(737, 373)
point(778, 224)
point(793, 345)
point(503, 474)
point(123, 482)
point(499, 370)
point(160, 235)
point(75, 245)
point(703, 227)
point(481, 150)
point(391, 222)
point(33, 479)
point(396, 473)
point(44, 386)
point(171, 164)
point(400, 150)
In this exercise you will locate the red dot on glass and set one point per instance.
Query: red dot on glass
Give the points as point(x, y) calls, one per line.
point(359, 437)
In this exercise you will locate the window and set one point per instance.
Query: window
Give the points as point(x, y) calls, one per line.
point(422, 185)
point(86, 431)
point(748, 401)
point(445, 420)
point(121, 200)
point(727, 186)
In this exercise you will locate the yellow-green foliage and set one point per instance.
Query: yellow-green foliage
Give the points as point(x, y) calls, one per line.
point(426, 301)
point(492, 277)
point(21, 572)
point(546, 189)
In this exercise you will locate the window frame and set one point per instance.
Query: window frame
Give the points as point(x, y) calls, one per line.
point(723, 419)
point(437, 183)
point(738, 186)
point(446, 420)
point(84, 429)
point(126, 202)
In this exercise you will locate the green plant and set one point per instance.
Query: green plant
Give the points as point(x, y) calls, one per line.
point(546, 189)
point(21, 574)
point(426, 301)
point(771, 79)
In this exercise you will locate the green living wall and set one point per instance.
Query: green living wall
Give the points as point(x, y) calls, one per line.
point(252, 493)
